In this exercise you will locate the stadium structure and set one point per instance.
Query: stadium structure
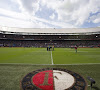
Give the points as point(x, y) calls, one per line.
point(41, 37)
point(20, 67)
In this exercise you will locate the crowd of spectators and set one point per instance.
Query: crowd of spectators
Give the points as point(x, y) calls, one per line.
point(13, 40)
point(44, 43)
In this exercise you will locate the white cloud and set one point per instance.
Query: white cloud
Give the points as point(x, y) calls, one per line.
point(52, 16)
point(13, 14)
point(73, 10)
point(5, 5)
point(15, 19)
point(29, 6)
point(95, 18)
point(11, 22)
point(69, 13)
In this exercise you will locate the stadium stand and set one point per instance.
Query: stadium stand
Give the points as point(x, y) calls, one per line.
point(41, 37)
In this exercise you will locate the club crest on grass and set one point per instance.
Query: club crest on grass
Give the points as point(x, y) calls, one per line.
point(53, 79)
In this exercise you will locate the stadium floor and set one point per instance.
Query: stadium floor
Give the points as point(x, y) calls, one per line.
point(15, 63)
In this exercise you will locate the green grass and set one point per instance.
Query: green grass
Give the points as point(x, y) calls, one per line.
point(11, 75)
point(69, 56)
point(25, 55)
point(41, 56)
point(15, 63)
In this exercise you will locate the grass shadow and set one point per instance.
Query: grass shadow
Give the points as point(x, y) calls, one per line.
point(95, 88)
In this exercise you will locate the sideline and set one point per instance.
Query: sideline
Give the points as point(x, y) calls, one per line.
point(49, 64)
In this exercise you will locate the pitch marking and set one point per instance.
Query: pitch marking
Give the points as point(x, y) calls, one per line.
point(48, 64)
point(52, 58)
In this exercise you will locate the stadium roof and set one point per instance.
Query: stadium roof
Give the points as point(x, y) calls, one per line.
point(51, 31)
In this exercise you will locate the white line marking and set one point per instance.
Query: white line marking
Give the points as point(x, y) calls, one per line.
point(52, 59)
point(80, 64)
point(48, 64)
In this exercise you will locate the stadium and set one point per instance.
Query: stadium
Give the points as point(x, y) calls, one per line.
point(23, 50)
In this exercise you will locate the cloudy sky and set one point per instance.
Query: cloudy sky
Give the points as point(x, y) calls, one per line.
point(50, 13)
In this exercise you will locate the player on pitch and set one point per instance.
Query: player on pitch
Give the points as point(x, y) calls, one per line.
point(76, 49)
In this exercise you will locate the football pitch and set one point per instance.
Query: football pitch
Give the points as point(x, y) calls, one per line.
point(15, 63)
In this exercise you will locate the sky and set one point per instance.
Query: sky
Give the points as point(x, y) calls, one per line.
point(50, 13)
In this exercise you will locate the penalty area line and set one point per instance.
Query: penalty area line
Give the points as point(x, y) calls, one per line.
point(52, 59)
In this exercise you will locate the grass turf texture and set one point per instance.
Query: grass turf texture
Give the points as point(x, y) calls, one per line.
point(41, 56)
point(11, 74)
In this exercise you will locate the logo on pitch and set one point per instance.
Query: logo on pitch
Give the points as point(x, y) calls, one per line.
point(53, 79)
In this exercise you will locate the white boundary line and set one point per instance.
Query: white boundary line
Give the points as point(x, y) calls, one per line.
point(48, 64)
point(52, 59)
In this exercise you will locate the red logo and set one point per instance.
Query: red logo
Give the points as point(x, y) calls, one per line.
point(44, 80)
point(53, 79)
